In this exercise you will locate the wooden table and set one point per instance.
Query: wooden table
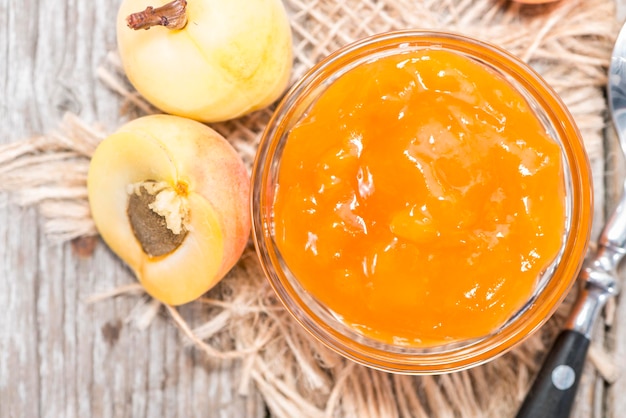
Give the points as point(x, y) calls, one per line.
point(59, 355)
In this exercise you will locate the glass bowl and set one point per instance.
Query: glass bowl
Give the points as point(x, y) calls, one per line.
point(553, 284)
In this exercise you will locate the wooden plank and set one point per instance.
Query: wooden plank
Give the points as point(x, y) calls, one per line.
point(60, 356)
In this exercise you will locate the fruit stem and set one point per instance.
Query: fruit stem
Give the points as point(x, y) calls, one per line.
point(172, 15)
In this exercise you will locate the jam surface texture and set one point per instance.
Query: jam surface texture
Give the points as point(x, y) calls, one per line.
point(420, 199)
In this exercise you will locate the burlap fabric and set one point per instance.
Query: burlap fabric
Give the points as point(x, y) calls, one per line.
point(568, 42)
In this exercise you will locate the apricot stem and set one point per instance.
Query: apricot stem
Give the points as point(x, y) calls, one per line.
point(172, 15)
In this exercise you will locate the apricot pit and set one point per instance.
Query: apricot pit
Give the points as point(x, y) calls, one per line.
point(157, 215)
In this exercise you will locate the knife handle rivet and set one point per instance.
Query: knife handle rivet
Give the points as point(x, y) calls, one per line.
point(563, 377)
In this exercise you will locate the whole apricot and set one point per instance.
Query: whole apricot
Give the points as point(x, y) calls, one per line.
point(169, 196)
point(208, 60)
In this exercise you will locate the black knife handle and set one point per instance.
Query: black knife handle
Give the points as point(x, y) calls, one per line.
point(552, 394)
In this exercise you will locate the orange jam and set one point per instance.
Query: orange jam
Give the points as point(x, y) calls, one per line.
point(420, 199)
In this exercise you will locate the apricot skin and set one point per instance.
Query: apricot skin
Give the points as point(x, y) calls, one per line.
point(233, 57)
point(194, 160)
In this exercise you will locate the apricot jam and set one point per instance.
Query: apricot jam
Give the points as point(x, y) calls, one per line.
point(419, 199)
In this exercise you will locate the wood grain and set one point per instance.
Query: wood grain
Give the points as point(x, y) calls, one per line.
point(60, 356)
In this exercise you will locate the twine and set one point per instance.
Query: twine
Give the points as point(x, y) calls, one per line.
point(568, 42)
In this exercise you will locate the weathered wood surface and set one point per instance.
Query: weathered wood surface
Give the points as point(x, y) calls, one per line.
point(63, 357)
point(60, 356)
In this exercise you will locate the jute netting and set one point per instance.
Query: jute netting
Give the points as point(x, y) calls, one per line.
point(568, 42)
